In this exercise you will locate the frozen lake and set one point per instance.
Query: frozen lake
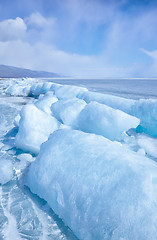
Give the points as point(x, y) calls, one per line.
point(128, 88)
point(22, 214)
point(99, 132)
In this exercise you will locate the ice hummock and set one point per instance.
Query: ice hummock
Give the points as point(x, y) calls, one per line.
point(144, 109)
point(68, 110)
point(100, 189)
point(22, 214)
point(44, 102)
point(67, 91)
point(103, 120)
point(35, 127)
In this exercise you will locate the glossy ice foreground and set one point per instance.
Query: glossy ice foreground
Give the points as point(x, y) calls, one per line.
point(22, 214)
point(100, 189)
point(87, 154)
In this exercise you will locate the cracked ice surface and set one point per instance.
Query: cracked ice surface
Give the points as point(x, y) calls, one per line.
point(96, 173)
point(22, 214)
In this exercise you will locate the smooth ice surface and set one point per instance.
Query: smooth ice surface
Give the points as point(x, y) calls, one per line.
point(45, 102)
point(145, 109)
point(66, 91)
point(101, 189)
point(68, 110)
point(103, 120)
point(25, 156)
point(34, 128)
point(6, 171)
point(109, 100)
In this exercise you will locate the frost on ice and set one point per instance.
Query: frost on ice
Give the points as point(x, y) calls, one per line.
point(100, 189)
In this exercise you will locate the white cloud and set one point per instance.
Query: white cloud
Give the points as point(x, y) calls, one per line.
point(151, 69)
point(46, 57)
point(91, 11)
point(122, 37)
point(37, 20)
point(12, 29)
point(152, 54)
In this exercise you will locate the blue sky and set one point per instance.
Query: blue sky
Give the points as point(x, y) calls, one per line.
point(80, 38)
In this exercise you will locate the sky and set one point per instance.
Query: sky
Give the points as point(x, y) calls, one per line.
point(80, 38)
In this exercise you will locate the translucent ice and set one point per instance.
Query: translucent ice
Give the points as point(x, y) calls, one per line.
point(67, 91)
point(40, 88)
point(34, 128)
point(6, 171)
point(103, 120)
point(100, 189)
point(120, 103)
point(68, 110)
point(144, 109)
point(17, 120)
point(45, 102)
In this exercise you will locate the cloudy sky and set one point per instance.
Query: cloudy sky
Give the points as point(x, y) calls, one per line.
point(80, 38)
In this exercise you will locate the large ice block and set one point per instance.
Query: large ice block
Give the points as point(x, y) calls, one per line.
point(67, 110)
point(101, 189)
point(45, 102)
point(35, 127)
point(103, 120)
